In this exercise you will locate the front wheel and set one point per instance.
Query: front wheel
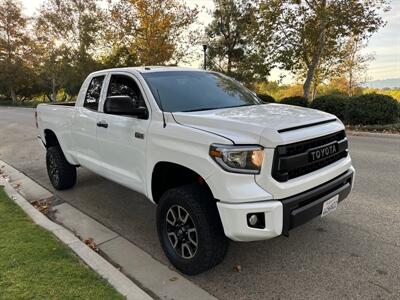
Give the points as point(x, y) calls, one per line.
point(190, 230)
point(61, 173)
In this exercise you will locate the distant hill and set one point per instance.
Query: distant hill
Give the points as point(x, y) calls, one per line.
point(384, 83)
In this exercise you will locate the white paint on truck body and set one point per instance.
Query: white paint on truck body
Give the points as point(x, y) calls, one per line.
point(118, 155)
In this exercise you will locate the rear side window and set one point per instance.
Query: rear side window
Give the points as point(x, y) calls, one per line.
point(93, 93)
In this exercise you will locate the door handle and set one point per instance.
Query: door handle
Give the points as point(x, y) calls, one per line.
point(103, 124)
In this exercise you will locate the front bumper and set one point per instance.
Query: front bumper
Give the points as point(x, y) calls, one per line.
point(284, 214)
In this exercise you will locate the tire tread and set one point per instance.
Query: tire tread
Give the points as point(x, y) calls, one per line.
point(67, 172)
point(203, 206)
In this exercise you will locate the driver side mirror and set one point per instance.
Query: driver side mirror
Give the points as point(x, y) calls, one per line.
point(124, 105)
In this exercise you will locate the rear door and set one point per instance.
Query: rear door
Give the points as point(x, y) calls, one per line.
point(122, 139)
point(85, 125)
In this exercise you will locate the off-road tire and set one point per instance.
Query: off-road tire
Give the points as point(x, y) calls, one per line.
point(212, 243)
point(61, 173)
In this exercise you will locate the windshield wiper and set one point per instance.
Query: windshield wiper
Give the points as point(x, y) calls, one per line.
point(212, 108)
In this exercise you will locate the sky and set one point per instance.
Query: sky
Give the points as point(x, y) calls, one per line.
point(384, 45)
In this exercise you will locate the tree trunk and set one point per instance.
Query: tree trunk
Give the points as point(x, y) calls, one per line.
point(53, 89)
point(314, 94)
point(313, 65)
point(350, 89)
point(315, 56)
point(13, 95)
point(229, 68)
point(308, 81)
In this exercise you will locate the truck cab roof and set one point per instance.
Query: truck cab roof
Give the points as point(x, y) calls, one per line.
point(149, 69)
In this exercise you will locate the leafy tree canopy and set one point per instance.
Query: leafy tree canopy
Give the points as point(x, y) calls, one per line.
point(312, 32)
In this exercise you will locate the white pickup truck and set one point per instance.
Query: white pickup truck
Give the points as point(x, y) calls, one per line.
point(216, 161)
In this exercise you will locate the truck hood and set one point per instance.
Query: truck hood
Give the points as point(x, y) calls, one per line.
point(267, 124)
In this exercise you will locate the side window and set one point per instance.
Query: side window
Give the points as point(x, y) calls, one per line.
point(93, 93)
point(121, 85)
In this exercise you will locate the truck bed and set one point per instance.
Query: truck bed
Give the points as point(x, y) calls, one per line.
point(57, 117)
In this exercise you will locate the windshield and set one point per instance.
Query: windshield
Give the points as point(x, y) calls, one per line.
point(182, 91)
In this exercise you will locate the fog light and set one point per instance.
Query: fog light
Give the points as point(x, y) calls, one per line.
point(256, 220)
point(253, 220)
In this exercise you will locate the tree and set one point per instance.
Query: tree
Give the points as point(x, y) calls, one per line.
point(148, 32)
point(324, 71)
point(347, 65)
point(14, 47)
point(69, 33)
point(354, 64)
point(311, 31)
point(239, 35)
point(228, 33)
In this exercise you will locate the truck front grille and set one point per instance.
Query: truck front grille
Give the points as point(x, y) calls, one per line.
point(294, 160)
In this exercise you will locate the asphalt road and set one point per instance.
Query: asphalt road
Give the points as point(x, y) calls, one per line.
point(352, 253)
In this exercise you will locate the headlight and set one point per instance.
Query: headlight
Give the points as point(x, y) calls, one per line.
point(238, 159)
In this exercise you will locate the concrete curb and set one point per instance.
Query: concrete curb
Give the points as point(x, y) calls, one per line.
point(106, 270)
point(372, 134)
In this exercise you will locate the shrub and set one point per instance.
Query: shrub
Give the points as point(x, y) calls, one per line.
point(266, 98)
point(333, 104)
point(372, 109)
point(296, 100)
point(398, 111)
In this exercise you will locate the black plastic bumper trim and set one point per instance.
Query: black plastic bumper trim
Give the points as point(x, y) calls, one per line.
point(303, 207)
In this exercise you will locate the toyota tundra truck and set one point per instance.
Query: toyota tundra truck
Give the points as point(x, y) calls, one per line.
point(217, 162)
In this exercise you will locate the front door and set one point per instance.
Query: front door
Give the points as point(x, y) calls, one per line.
point(122, 138)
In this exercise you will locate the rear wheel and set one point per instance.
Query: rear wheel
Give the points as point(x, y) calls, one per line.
point(190, 230)
point(61, 173)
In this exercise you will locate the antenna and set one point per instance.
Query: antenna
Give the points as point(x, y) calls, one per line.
point(162, 109)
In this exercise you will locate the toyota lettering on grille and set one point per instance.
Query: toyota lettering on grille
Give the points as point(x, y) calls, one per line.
point(322, 152)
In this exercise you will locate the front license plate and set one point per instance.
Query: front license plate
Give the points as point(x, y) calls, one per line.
point(330, 205)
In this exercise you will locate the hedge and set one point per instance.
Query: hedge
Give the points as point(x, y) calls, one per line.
point(266, 98)
point(368, 109)
point(372, 109)
point(333, 104)
point(296, 100)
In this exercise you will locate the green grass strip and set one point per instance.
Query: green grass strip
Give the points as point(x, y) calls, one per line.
point(35, 265)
